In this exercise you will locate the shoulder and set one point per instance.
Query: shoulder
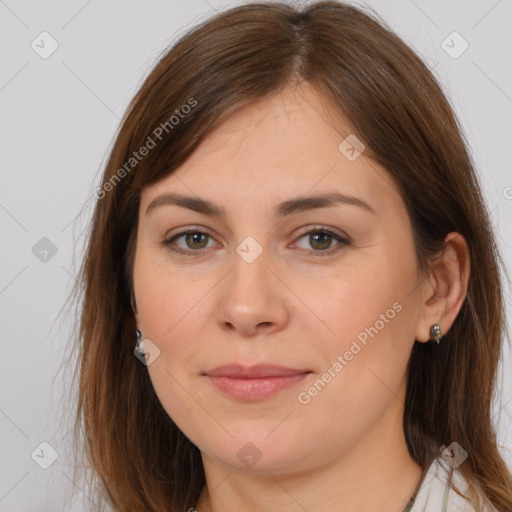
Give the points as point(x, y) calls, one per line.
point(445, 489)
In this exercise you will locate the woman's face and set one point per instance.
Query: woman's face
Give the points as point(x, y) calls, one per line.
point(283, 326)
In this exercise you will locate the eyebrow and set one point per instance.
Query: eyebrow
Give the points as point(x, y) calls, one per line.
point(283, 209)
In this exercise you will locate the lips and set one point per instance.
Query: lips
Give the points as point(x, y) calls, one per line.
point(251, 383)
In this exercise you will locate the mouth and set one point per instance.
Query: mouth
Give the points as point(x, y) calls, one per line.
point(253, 383)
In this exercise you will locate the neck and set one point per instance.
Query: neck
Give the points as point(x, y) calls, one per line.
point(377, 473)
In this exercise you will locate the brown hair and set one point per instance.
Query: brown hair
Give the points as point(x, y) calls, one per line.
point(140, 459)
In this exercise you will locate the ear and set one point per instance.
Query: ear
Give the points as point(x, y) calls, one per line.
point(135, 313)
point(445, 288)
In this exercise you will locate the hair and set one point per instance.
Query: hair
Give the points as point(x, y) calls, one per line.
point(376, 83)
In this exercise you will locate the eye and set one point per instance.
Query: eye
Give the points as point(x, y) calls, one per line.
point(194, 240)
point(321, 240)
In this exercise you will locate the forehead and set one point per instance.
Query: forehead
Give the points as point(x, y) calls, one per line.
point(284, 145)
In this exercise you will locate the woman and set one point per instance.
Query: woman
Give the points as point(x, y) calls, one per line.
point(291, 291)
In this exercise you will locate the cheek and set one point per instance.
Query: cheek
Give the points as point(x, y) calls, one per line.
point(370, 315)
point(169, 304)
point(169, 298)
point(351, 303)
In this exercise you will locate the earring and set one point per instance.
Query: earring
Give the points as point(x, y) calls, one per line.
point(435, 333)
point(138, 334)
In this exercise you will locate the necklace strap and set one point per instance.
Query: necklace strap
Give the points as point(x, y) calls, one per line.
point(411, 501)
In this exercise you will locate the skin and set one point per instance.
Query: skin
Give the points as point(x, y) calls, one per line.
point(346, 445)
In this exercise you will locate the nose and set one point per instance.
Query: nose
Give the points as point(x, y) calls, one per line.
point(252, 299)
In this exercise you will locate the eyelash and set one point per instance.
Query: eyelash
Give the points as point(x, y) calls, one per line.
point(327, 252)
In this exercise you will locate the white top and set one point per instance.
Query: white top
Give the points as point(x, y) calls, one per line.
point(436, 488)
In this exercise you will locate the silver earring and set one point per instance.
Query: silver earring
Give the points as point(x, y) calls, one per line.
point(139, 336)
point(435, 333)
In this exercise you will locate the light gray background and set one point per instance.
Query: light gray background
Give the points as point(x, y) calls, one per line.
point(59, 116)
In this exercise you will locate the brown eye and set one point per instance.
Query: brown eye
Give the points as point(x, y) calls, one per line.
point(196, 240)
point(191, 241)
point(320, 240)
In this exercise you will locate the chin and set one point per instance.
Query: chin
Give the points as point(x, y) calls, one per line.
point(256, 451)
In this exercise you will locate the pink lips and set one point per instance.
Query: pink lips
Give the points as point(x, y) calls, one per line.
point(250, 383)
